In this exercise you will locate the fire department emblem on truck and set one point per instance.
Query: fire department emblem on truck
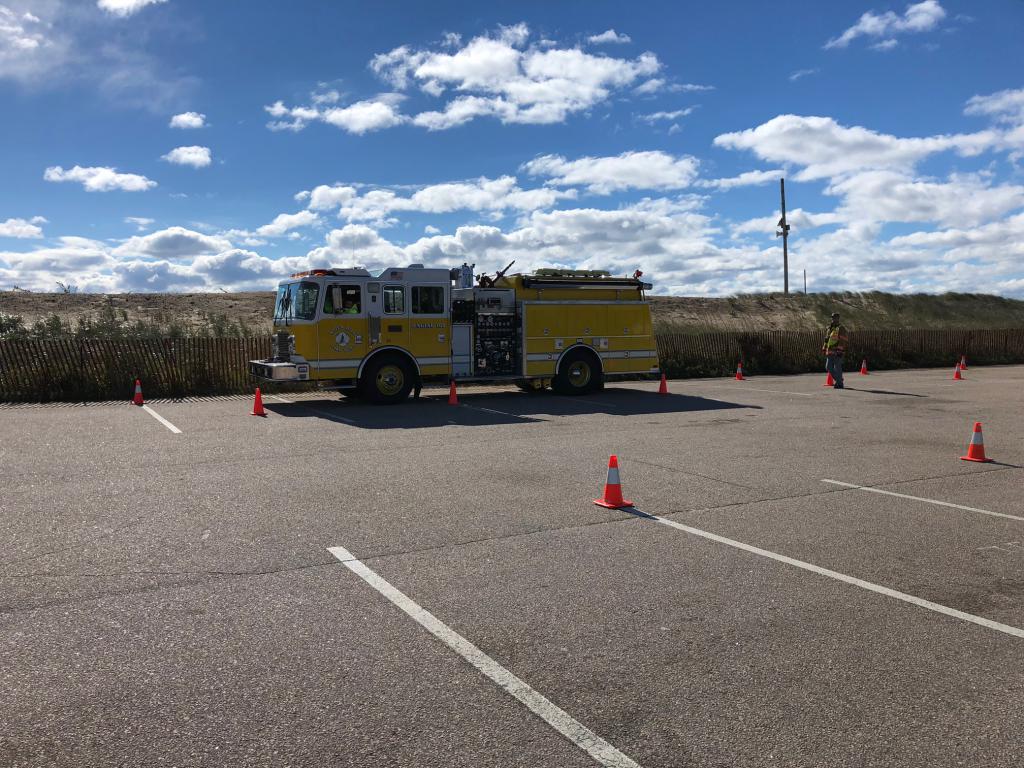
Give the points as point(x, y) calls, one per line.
point(342, 340)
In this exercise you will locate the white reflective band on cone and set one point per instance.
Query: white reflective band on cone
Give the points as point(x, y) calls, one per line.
point(613, 476)
point(976, 439)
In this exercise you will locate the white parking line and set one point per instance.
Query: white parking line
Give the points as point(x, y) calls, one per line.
point(161, 419)
point(896, 595)
point(919, 498)
point(279, 399)
point(494, 410)
point(599, 749)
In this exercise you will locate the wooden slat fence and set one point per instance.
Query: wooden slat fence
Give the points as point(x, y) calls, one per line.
point(717, 353)
point(95, 369)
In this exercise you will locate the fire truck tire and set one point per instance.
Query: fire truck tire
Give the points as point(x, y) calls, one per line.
point(579, 373)
point(387, 379)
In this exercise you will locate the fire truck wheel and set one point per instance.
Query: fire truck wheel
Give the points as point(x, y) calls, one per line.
point(386, 379)
point(579, 373)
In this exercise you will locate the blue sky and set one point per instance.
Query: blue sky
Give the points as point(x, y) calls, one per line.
point(194, 146)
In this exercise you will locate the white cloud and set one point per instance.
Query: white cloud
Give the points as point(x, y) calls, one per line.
point(364, 116)
point(659, 84)
point(430, 229)
point(1004, 107)
point(355, 245)
point(671, 240)
point(29, 48)
point(189, 120)
point(141, 223)
point(197, 157)
point(885, 45)
point(825, 148)
point(59, 45)
point(675, 114)
point(323, 197)
point(100, 179)
point(991, 237)
point(284, 222)
point(887, 196)
point(501, 76)
point(609, 36)
point(19, 33)
point(799, 219)
point(359, 118)
point(666, 239)
point(494, 196)
point(125, 8)
point(794, 76)
point(330, 96)
point(747, 179)
point(919, 17)
point(630, 170)
point(172, 243)
point(22, 228)
point(238, 269)
point(76, 260)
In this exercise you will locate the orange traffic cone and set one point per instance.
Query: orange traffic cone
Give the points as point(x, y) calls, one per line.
point(963, 362)
point(863, 367)
point(612, 488)
point(137, 400)
point(257, 406)
point(956, 373)
point(976, 450)
point(453, 398)
point(663, 389)
point(739, 372)
point(829, 381)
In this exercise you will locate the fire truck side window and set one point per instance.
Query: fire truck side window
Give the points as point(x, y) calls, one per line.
point(342, 300)
point(427, 300)
point(394, 300)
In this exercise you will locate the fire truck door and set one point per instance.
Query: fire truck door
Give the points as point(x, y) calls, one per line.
point(341, 330)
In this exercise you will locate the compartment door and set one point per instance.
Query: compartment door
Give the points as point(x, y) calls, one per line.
point(389, 316)
point(430, 329)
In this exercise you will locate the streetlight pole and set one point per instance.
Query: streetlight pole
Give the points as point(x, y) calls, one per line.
point(784, 234)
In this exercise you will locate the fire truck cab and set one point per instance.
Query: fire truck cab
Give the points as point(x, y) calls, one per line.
point(384, 335)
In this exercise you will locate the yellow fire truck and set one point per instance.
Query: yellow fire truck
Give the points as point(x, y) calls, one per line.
point(384, 335)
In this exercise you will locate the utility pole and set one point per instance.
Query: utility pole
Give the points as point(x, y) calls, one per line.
point(784, 234)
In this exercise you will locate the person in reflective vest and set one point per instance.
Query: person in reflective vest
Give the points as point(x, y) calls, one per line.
point(834, 349)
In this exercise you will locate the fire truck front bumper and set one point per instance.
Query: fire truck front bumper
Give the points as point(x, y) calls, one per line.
point(276, 371)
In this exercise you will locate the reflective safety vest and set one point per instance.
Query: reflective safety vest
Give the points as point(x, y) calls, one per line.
point(835, 341)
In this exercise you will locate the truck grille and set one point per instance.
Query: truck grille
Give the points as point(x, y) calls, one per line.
point(280, 347)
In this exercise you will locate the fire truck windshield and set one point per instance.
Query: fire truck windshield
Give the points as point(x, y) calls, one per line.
point(296, 300)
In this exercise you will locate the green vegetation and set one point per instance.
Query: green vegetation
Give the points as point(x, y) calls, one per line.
point(112, 323)
point(860, 311)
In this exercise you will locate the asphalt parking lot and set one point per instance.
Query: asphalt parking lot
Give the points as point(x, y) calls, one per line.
point(810, 577)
